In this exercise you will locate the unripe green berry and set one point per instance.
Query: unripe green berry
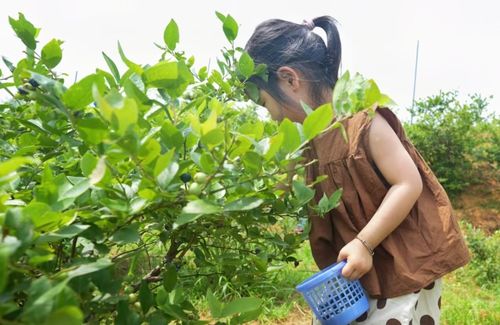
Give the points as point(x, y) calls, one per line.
point(195, 189)
point(200, 178)
point(132, 297)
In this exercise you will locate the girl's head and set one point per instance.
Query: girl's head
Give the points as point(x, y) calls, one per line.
point(301, 67)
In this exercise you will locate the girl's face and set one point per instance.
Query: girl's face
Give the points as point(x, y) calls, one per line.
point(293, 88)
point(275, 109)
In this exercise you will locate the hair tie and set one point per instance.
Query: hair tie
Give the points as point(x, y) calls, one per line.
point(308, 23)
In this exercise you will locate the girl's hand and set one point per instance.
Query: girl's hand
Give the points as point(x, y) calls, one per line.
point(359, 260)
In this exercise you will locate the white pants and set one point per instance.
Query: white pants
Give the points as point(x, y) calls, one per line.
point(422, 307)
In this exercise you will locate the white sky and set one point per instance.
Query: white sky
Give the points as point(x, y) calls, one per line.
point(459, 40)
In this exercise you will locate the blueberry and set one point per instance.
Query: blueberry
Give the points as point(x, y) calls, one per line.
point(22, 91)
point(257, 250)
point(296, 263)
point(34, 83)
point(185, 177)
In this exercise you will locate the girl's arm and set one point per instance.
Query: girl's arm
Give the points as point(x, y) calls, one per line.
point(400, 171)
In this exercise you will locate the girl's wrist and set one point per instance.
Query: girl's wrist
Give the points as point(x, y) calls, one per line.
point(366, 245)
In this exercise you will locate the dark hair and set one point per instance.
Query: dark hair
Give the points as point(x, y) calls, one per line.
point(277, 43)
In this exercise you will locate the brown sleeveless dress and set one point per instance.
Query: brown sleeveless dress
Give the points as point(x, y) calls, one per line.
point(424, 247)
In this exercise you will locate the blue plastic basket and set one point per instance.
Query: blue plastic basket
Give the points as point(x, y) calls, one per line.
point(334, 299)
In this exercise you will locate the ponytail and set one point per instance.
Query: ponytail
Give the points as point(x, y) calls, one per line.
point(334, 47)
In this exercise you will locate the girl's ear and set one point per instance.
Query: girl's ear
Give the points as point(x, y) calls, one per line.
point(289, 77)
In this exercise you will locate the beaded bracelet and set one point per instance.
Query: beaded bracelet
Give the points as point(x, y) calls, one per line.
point(366, 245)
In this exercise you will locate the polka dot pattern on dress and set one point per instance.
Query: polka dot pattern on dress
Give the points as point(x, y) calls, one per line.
point(427, 320)
point(363, 317)
point(430, 286)
point(393, 321)
point(381, 303)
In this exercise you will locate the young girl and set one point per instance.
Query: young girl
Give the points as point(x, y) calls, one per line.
point(395, 225)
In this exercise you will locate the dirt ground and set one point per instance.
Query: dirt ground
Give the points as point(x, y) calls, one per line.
point(480, 205)
point(298, 316)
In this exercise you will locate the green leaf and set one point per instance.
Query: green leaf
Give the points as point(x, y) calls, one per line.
point(52, 53)
point(64, 233)
point(42, 216)
point(170, 278)
point(221, 16)
point(76, 190)
point(126, 315)
point(9, 64)
point(4, 264)
point(210, 123)
point(230, 28)
point(252, 91)
point(241, 305)
point(318, 120)
point(214, 305)
point(89, 268)
point(201, 207)
point(334, 199)
point(341, 104)
point(20, 224)
point(149, 151)
point(112, 66)
point(185, 218)
point(92, 130)
point(249, 316)
point(99, 171)
point(246, 65)
point(207, 163)
point(252, 162)
point(156, 318)
point(323, 204)
point(44, 297)
point(88, 163)
point(274, 145)
point(203, 73)
point(165, 169)
point(121, 112)
point(25, 30)
point(291, 139)
point(303, 193)
point(308, 110)
point(67, 315)
point(217, 78)
point(173, 76)
point(161, 75)
point(22, 71)
point(126, 235)
point(132, 90)
point(213, 138)
point(354, 93)
point(171, 137)
point(79, 95)
point(171, 35)
point(145, 297)
point(244, 204)
point(12, 164)
point(131, 65)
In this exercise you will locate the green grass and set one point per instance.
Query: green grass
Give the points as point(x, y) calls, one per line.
point(464, 302)
point(281, 299)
